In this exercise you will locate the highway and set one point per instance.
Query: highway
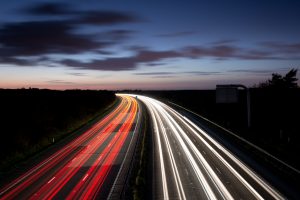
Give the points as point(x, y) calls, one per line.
point(89, 166)
point(189, 164)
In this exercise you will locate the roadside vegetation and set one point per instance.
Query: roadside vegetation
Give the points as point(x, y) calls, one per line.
point(33, 119)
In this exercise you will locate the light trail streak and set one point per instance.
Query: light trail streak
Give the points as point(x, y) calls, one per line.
point(193, 126)
point(161, 158)
point(55, 173)
point(197, 171)
point(19, 184)
point(267, 187)
point(216, 181)
point(178, 182)
point(68, 171)
point(203, 157)
point(98, 175)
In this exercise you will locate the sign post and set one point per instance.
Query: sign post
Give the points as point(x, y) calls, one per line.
point(229, 94)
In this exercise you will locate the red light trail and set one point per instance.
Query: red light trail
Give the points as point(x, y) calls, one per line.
point(95, 151)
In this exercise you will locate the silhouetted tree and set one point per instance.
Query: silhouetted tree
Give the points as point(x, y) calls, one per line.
point(279, 81)
point(290, 79)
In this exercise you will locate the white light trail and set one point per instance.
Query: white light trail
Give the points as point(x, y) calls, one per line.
point(165, 118)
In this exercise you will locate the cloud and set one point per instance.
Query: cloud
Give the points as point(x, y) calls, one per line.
point(163, 76)
point(286, 48)
point(153, 73)
point(67, 42)
point(202, 73)
point(42, 37)
point(260, 71)
point(110, 64)
point(154, 64)
point(217, 51)
point(107, 18)
point(22, 42)
point(145, 56)
point(91, 17)
point(39, 38)
point(117, 35)
point(229, 51)
point(16, 61)
point(177, 34)
point(60, 82)
point(251, 71)
point(48, 9)
point(151, 58)
point(123, 63)
point(77, 74)
point(257, 55)
point(157, 74)
point(60, 36)
point(177, 73)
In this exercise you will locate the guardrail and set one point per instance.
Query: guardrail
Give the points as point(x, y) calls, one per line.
point(242, 139)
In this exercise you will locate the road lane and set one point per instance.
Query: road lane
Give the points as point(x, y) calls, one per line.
point(189, 164)
point(83, 168)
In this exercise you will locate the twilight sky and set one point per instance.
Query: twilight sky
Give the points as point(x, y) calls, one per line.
point(157, 44)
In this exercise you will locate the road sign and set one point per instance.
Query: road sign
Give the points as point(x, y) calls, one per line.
point(229, 94)
point(226, 94)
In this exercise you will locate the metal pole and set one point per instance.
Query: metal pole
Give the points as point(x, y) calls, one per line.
point(248, 108)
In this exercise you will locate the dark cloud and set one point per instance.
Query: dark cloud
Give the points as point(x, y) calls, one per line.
point(217, 51)
point(163, 76)
point(154, 64)
point(227, 51)
point(77, 74)
point(62, 35)
point(260, 71)
point(60, 82)
point(158, 74)
point(43, 37)
point(91, 17)
point(177, 34)
point(202, 73)
point(117, 35)
point(48, 9)
point(148, 57)
point(107, 17)
point(153, 73)
point(256, 55)
point(16, 61)
point(123, 63)
point(39, 38)
point(286, 48)
point(110, 64)
point(251, 71)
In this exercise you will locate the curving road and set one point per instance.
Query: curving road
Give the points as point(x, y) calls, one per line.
point(87, 167)
point(189, 164)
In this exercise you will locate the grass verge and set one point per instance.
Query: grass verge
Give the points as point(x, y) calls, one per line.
point(140, 181)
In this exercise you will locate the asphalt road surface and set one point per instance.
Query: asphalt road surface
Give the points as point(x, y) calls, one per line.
point(189, 164)
point(89, 166)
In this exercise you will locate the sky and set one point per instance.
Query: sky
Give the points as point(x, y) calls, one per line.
point(157, 44)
